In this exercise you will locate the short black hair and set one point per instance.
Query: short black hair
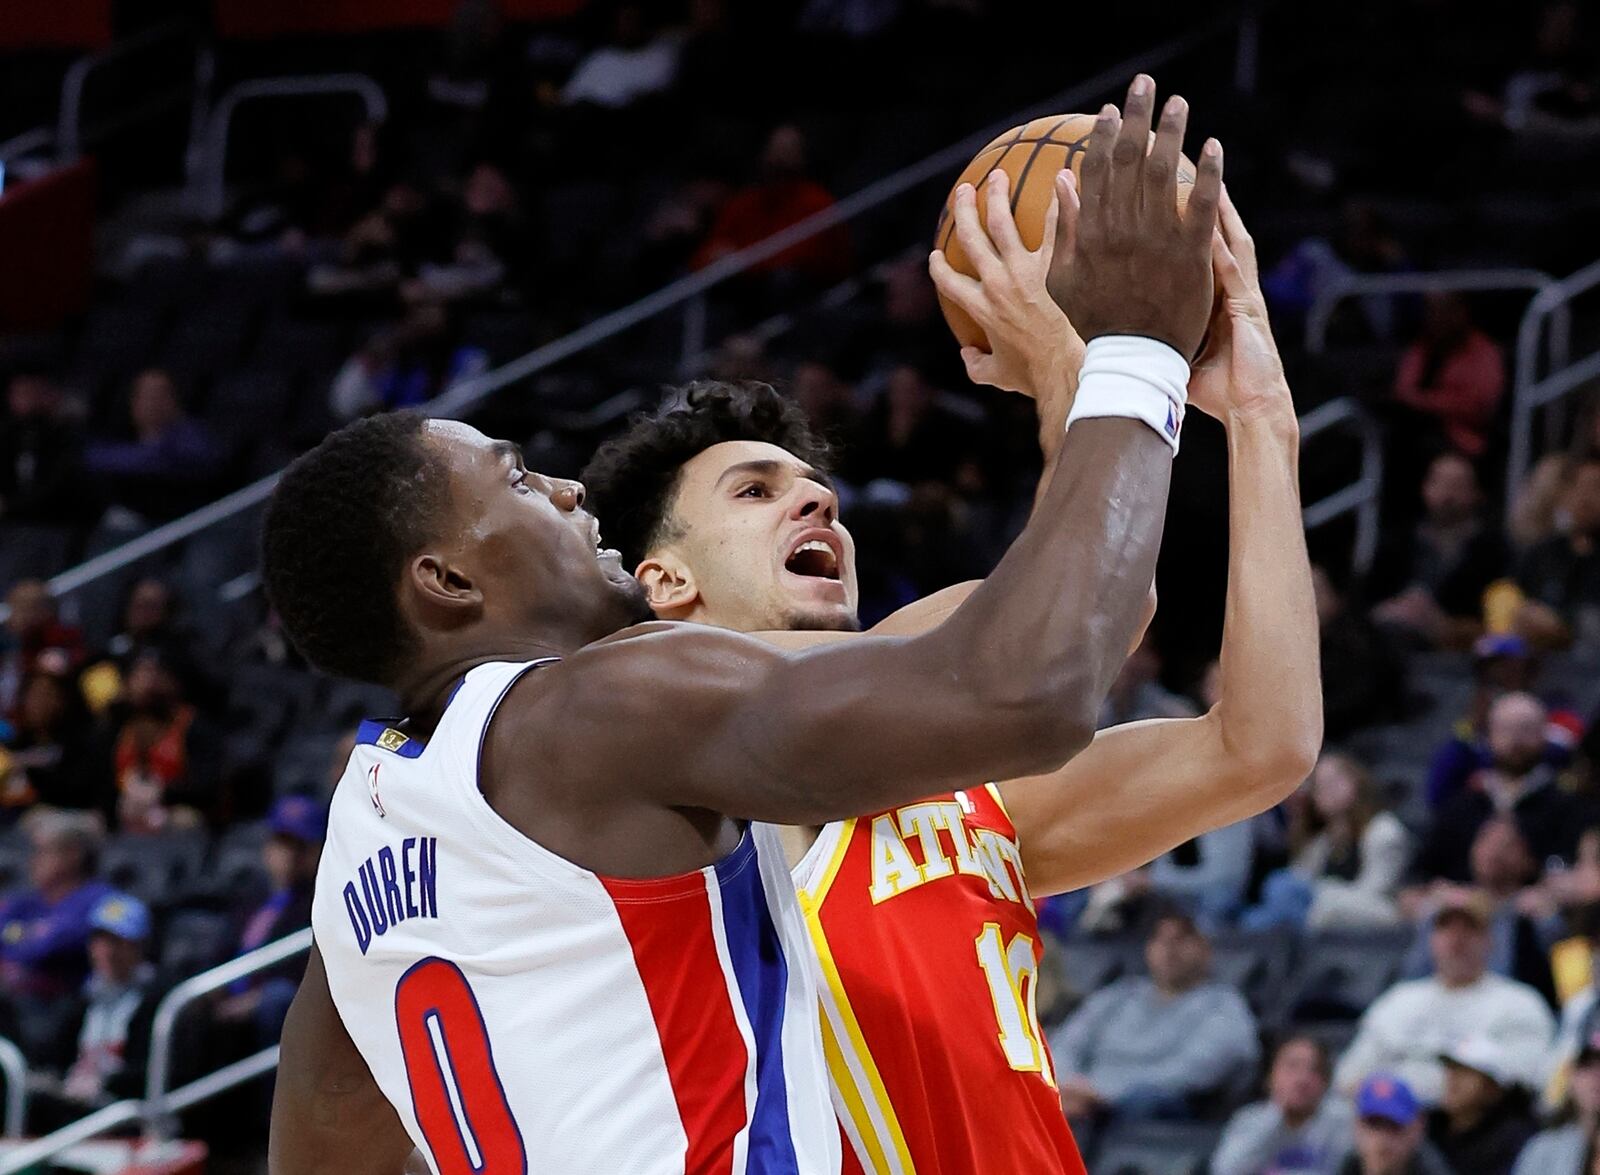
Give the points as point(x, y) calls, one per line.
point(341, 524)
point(632, 478)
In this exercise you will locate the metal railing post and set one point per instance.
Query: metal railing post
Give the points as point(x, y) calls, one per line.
point(211, 171)
point(158, 1070)
point(69, 117)
point(1364, 496)
point(15, 1066)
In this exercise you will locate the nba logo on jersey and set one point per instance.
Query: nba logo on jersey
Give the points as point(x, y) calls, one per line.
point(372, 788)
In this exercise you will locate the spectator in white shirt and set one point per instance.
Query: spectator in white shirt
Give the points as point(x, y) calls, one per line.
point(1410, 1025)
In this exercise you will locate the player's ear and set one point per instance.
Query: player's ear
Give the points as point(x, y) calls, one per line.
point(442, 588)
point(668, 585)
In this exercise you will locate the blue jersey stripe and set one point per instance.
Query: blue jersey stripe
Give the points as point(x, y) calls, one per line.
point(763, 975)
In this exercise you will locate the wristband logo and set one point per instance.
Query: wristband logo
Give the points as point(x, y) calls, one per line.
point(1174, 421)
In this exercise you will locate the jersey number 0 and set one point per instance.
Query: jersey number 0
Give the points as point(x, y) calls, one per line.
point(456, 1094)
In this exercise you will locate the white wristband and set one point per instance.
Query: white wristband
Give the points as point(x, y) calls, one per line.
point(1135, 378)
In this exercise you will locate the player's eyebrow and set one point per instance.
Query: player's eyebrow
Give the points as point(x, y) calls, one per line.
point(505, 449)
point(767, 467)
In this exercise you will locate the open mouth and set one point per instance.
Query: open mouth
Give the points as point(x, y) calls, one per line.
point(814, 559)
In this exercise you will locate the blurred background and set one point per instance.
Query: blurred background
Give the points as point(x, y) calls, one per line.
point(227, 227)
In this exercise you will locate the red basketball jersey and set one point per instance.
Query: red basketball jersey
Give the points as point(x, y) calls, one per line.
point(929, 950)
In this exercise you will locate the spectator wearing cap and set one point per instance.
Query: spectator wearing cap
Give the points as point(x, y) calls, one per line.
point(1432, 579)
point(1484, 1119)
point(1298, 1128)
point(1410, 1025)
point(44, 929)
point(114, 1019)
point(1502, 872)
point(1389, 1132)
point(1519, 782)
point(1564, 1147)
point(163, 752)
point(298, 824)
point(1152, 1047)
point(1502, 663)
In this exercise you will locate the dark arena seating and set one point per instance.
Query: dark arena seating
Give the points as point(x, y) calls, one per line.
point(228, 227)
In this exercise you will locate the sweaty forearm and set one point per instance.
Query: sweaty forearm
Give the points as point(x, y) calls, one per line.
point(1051, 625)
point(1270, 712)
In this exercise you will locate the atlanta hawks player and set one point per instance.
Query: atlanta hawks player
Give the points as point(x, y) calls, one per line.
point(922, 915)
point(546, 929)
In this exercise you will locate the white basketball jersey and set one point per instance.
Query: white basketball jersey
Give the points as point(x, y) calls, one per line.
point(525, 1015)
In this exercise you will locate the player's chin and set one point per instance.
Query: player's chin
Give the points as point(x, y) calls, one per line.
point(811, 618)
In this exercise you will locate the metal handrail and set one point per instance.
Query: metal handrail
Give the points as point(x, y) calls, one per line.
point(470, 393)
point(69, 119)
point(15, 1067)
point(26, 143)
point(28, 1156)
point(1363, 497)
point(158, 1069)
point(1355, 285)
point(1529, 394)
point(210, 164)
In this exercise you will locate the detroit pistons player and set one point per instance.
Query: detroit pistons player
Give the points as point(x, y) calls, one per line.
point(921, 916)
point(546, 930)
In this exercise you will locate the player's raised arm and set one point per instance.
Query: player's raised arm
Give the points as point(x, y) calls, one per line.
point(1157, 784)
point(1011, 682)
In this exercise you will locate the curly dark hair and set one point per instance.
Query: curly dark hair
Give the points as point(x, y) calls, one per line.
point(633, 478)
point(341, 524)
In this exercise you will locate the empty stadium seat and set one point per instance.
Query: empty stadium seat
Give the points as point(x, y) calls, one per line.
point(1155, 1148)
point(1088, 964)
point(196, 940)
point(157, 869)
point(1340, 973)
point(1255, 963)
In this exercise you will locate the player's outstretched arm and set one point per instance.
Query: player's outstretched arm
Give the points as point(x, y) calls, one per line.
point(1016, 675)
point(1141, 789)
point(327, 1112)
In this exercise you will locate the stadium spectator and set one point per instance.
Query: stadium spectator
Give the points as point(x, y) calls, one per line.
point(1502, 871)
point(1552, 95)
point(828, 401)
point(1518, 782)
point(1349, 854)
point(1363, 244)
point(1410, 1025)
point(1538, 511)
point(407, 365)
point(1561, 576)
point(1298, 1128)
point(1137, 692)
point(110, 1025)
point(907, 436)
point(33, 638)
point(298, 825)
point(1433, 578)
point(636, 63)
point(163, 751)
point(1454, 374)
point(46, 758)
point(1564, 1148)
point(1502, 663)
point(1363, 679)
point(1390, 1133)
point(40, 496)
point(148, 621)
point(44, 928)
point(168, 467)
point(485, 247)
point(783, 194)
point(1484, 1119)
point(1157, 1047)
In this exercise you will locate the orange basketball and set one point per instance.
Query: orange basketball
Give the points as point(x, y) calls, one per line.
point(1032, 155)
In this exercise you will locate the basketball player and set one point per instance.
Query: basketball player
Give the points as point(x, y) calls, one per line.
point(545, 929)
point(922, 915)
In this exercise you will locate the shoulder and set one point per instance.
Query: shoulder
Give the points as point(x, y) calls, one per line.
point(1513, 992)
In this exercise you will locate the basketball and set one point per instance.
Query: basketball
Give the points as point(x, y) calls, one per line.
point(1032, 155)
